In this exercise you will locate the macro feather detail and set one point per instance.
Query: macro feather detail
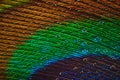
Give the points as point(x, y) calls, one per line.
point(39, 36)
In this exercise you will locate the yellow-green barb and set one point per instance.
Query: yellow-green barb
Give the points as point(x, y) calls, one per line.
point(4, 4)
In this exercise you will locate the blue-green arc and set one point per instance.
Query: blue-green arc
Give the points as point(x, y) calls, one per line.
point(64, 40)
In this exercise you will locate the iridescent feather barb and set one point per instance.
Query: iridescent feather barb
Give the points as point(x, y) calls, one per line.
point(59, 39)
point(64, 40)
point(92, 67)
